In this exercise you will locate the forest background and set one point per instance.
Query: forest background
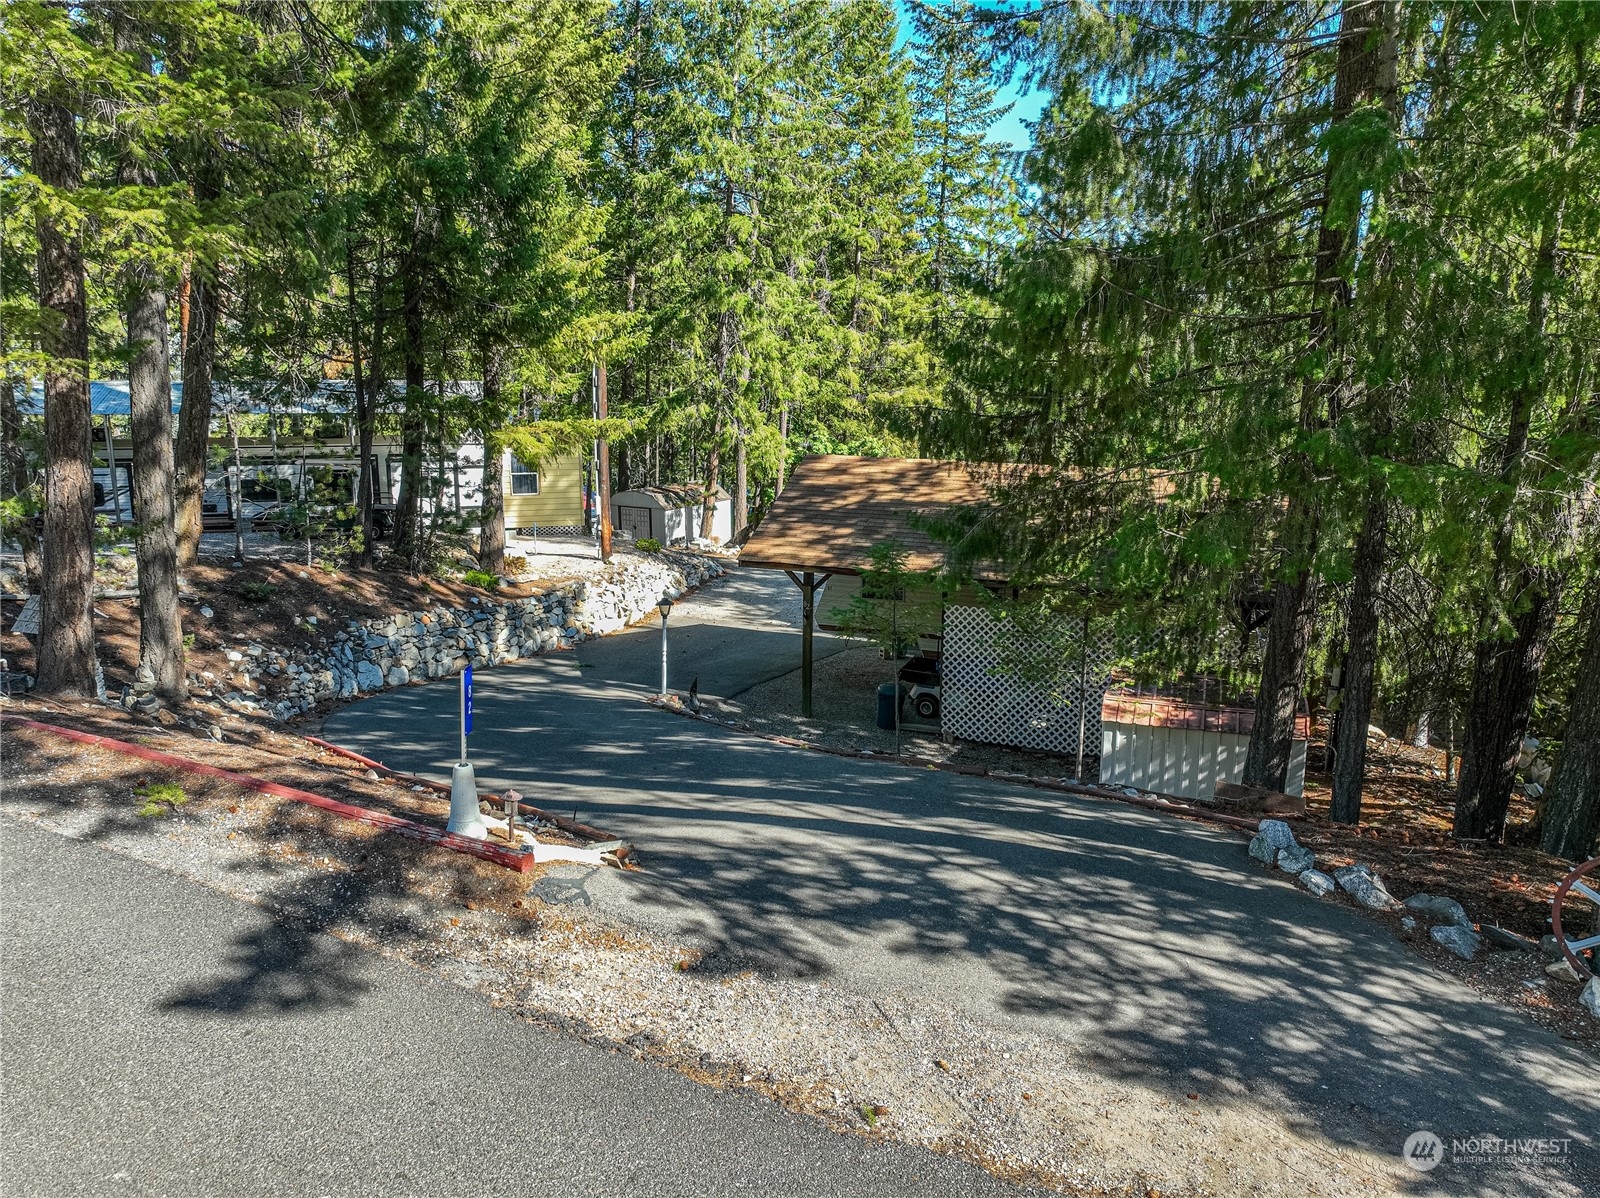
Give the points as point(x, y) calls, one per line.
point(1277, 344)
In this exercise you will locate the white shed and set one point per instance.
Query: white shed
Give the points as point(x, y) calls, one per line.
point(670, 515)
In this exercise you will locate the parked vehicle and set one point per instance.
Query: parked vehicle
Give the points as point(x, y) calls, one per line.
point(920, 681)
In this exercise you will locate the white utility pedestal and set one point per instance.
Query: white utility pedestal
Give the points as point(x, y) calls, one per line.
point(465, 818)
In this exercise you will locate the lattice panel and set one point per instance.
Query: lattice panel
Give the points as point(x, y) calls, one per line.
point(985, 698)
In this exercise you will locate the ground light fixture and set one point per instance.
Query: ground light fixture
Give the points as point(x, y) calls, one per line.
point(664, 606)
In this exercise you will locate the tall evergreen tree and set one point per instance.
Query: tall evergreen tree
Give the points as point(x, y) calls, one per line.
point(50, 67)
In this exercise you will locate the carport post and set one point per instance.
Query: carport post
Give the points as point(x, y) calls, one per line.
point(808, 584)
point(808, 606)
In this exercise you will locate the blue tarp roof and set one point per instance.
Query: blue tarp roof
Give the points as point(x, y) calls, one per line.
point(109, 397)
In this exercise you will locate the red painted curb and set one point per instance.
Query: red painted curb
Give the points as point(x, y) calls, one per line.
point(515, 859)
point(560, 821)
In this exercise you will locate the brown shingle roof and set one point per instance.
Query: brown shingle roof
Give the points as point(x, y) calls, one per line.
point(835, 509)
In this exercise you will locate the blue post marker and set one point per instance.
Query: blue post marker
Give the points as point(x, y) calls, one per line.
point(465, 817)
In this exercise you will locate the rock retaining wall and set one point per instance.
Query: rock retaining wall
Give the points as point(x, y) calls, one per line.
point(384, 651)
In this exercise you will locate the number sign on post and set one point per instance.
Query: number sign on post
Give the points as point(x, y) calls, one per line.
point(466, 708)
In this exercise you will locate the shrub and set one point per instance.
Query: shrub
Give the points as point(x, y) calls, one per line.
point(257, 592)
point(516, 564)
point(481, 578)
point(159, 796)
point(647, 545)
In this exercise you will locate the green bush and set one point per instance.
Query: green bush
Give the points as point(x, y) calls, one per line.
point(159, 796)
point(257, 592)
point(481, 578)
point(647, 545)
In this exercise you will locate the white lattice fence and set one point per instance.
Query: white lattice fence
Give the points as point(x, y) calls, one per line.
point(985, 696)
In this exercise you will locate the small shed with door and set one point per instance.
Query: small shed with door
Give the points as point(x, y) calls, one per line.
point(672, 514)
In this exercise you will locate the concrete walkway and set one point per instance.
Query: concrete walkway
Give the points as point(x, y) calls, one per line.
point(1151, 945)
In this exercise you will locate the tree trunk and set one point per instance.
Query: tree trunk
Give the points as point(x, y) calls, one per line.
point(492, 524)
point(1505, 678)
point(156, 542)
point(19, 481)
point(492, 535)
point(783, 449)
point(236, 489)
point(1422, 737)
point(1572, 805)
point(708, 511)
point(66, 636)
point(407, 527)
point(1505, 674)
point(1350, 743)
point(194, 416)
point(366, 484)
point(1294, 603)
point(150, 409)
point(1365, 70)
point(602, 464)
point(741, 489)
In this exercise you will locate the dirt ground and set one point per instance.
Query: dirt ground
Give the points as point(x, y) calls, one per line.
point(247, 747)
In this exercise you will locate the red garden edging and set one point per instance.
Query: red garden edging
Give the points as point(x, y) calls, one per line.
point(516, 859)
point(566, 825)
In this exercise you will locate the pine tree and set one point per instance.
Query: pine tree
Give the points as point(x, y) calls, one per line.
point(50, 64)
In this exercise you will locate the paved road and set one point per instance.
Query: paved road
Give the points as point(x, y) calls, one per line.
point(151, 1047)
point(1152, 944)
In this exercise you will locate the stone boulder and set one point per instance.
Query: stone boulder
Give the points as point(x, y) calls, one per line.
point(1440, 909)
point(1317, 882)
point(1589, 997)
point(1361, 884)
point(1271, 838)
point(1504, 939)
point(1296, 859)
point(1463, 942)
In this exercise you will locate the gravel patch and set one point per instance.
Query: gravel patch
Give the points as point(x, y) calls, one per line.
point(561, 558)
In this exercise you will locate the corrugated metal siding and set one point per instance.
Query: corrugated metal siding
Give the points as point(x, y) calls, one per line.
point(1182, 761)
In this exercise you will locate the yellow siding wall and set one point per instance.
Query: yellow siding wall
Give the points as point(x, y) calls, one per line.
point(560, 497)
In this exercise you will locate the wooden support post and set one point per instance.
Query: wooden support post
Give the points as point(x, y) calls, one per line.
point(808, 606)
point(808, 583)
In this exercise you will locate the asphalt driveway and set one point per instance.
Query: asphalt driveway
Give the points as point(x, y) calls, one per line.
point(144, 1055)
point(1153, 946)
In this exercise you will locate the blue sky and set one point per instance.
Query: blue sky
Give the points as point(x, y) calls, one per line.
point(1026, 104)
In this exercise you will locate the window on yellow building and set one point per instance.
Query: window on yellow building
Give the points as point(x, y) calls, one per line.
point(524, 478)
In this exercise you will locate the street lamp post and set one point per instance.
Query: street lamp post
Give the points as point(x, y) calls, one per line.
point(665, 608)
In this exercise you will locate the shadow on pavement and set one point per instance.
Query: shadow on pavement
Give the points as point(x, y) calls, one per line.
point(1153, 947)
